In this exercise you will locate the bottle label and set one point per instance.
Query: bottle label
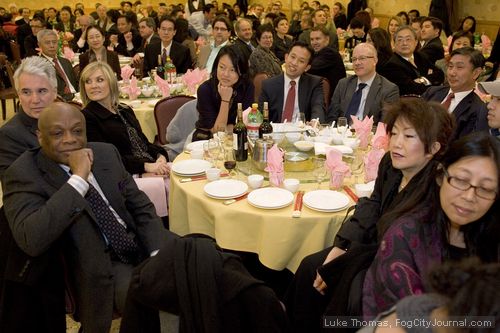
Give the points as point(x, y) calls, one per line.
point(253, 131)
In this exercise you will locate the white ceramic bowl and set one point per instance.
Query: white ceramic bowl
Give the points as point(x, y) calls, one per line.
point(363, 190)
point(291, 184)
point(351, 142)
point(324, 139)
point(337, 139)
point(255, 181)
point(213, 174)
point(278, 137)
point(304, 145)
point(147, 92)
point(293, 137)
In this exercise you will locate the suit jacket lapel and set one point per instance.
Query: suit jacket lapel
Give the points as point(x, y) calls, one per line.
point(463, 107)
point(52, 172)
point(372, 95)
point(101, 171)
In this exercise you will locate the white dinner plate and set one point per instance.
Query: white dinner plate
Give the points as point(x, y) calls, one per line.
point(326, 200)
point(270, 198)
point(191, 167)
point(195, 145)
point(225, 189)
point(320, 148)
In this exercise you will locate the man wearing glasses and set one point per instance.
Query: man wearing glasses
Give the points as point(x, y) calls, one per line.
point(221, 31)
point(178, 53)
point(26, 36)
point(410, 70)
point(365, 93)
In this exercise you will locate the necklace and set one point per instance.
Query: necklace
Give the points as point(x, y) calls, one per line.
point(403, 184)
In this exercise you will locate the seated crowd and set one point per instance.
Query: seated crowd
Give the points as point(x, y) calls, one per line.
point(77, 235)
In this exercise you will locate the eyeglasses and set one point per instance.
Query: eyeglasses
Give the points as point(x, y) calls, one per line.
point(362, 58)
point(220, 29)
point(463, 185)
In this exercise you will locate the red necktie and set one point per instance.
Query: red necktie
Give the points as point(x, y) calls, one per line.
point(447, 102)
point(290, 103)
point(61, 73)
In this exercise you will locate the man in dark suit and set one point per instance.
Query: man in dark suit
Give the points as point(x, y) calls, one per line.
point(80, 198)
point(128, 41)
point(27, 288)
point(281, 92)
point(464, 67)
point(254, 13)
point(178, 53)
point(80, 44)
point(375, 91)
point(318, 18)
point(245, 42)
point(147, 30)
point(24, 29)
point(67, 83)
point(327, 62)
point(429, 33)
point(30, 42)
point(410, 70)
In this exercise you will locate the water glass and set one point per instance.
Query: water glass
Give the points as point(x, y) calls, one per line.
point(319, 171)
point(342, 125)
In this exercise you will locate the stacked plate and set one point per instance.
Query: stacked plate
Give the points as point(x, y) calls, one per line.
point(270, 198)
point(326, 201)
point(195, 145)
point(192, 167)
point(225, 189)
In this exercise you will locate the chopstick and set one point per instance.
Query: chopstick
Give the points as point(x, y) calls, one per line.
point(298, 204)
point(231, 201)
point(201, 177)
point(353, 196)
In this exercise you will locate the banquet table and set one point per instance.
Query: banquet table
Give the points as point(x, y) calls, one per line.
point(279, 240)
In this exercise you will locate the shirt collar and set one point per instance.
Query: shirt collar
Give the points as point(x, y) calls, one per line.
point(369, 81)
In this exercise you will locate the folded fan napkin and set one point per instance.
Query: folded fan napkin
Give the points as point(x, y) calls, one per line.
point(363, 129)
point(133, 91)
point(381, 140)
point(485, 42)
point(68, 53)
point(275, 166)
point(372, 161)
point(127, 72)
point(337, 168)
point(193, 78)
point(163, 85)
point(245, 115)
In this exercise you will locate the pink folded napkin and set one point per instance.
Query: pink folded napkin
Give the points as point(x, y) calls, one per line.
point(363, 129)
point(337, 168)
point(485, 42)
point(68, 53)
point(275, 166)
point(245, 115)
point(372, 160)
point(193, 78)
point(127, 72)
point(132, 90)
point(163, 85)
point(380, 139)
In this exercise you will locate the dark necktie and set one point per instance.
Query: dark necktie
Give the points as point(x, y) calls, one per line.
point(164, 56)
point(353, 107)
point(121, 241)
point(290, 103)
point(447, 102)
point(61, 73)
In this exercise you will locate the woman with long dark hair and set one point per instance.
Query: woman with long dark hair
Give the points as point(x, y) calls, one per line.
point(381, 40)
point(218, 97)
point(446, 219)
point(183, 37)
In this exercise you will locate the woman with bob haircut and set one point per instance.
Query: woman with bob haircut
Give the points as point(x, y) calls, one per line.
point(109, 121)
point(448, 218)
point(218, 97)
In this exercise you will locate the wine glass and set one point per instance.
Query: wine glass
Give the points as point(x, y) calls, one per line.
point(342, 125)
point(211, 150)
point(299, 119)
point(319, 171)
point(229, 161)
point(221, 133)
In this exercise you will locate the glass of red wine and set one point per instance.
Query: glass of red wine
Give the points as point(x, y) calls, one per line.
point(229, 162)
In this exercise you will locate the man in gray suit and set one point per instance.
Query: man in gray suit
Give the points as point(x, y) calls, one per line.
point(365, 93)
point(306, 89)
point(36, 85)
point(80, 197)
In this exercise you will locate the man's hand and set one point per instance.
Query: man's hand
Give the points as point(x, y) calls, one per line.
point(318, 283)
point(128, 36)
point(113, 39)
point(80, 162)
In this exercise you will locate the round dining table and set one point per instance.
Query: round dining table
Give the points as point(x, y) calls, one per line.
point(280, 240)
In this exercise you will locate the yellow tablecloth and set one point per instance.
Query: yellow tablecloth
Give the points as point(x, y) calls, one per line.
point(280, 240)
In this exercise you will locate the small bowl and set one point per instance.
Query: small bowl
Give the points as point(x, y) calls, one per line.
point(324, 139)
point(363, 190)
point(293, 137)
point(291, 184)
point(255, 181)
point(277, 137)
point(337, 139)
point(213, 174)
point(304, 145)
point(351, 142)
point(147, 92)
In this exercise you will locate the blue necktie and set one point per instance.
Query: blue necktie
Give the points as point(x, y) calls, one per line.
point(353, 107)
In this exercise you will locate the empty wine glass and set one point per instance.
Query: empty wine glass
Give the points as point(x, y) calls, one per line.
point(211, 150)
point(342, 125)
point(319, 171)
point(299, 119)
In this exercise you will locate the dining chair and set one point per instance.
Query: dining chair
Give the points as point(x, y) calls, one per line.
point(7, 92)
point(164, 112)
point(180, 127)
point(257, 83)
point(327, 93)
point(15, 49)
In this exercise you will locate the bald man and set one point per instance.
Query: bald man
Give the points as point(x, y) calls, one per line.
point(365, 93)
point(77, 199)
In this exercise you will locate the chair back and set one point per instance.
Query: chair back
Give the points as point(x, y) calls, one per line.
point(180, 128)
point(257, 83)
point(327, 93)
point(164, 112)
point(16, 52)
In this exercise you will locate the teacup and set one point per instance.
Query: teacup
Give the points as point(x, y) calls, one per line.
point(197, 154)
point(291, 184)
point(213, 174)
point(363, 190)
point(255, 181)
